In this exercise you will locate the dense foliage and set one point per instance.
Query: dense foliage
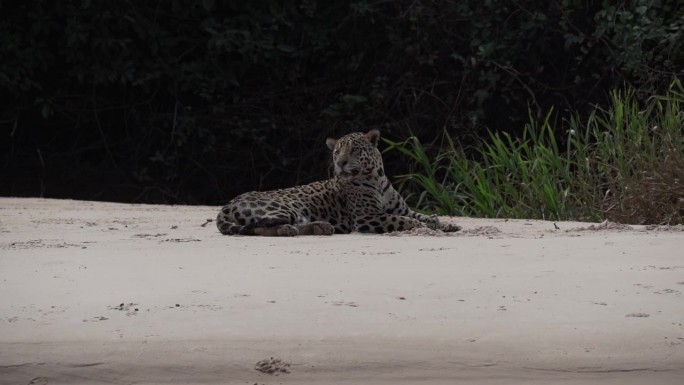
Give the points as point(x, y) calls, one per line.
point(624, 163)
point(196, 101)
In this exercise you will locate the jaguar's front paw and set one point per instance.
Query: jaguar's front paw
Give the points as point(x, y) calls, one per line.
point(432, 222)
point(287, 231)
point(322, 228)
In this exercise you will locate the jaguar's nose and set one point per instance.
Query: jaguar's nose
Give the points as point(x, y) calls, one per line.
point(342, 161)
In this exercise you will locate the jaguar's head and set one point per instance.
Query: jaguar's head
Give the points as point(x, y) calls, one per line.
point(356, 155)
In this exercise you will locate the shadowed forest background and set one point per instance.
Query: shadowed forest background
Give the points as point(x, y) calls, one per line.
point(197, 101)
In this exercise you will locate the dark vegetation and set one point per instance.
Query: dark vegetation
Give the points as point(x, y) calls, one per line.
point(624, 163)
point(196, 101)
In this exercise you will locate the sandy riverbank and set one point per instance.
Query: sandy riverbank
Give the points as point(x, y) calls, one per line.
point(96, 292)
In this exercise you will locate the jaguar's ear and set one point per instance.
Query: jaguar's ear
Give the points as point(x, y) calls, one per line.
point(331, 143)
point(373, 136)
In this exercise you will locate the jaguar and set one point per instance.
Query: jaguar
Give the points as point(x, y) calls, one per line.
point(359, 197)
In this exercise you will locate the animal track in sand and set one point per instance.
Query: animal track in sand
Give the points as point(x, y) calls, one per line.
point(665, 228)
point(273, 366)
point(130, 308)
point(39, 243)
point(482, 230)
point(605, 225)
point(638, 315)
point(345, 303)
point(668, 291)
point(423, 231)
point(146, 236)
point(180, 240)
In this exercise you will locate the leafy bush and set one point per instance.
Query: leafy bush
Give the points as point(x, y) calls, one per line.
point(624, 163)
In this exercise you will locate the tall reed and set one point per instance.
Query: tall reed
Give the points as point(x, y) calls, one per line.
point(624, 163)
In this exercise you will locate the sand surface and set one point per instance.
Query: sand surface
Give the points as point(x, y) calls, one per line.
point(95, 293)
